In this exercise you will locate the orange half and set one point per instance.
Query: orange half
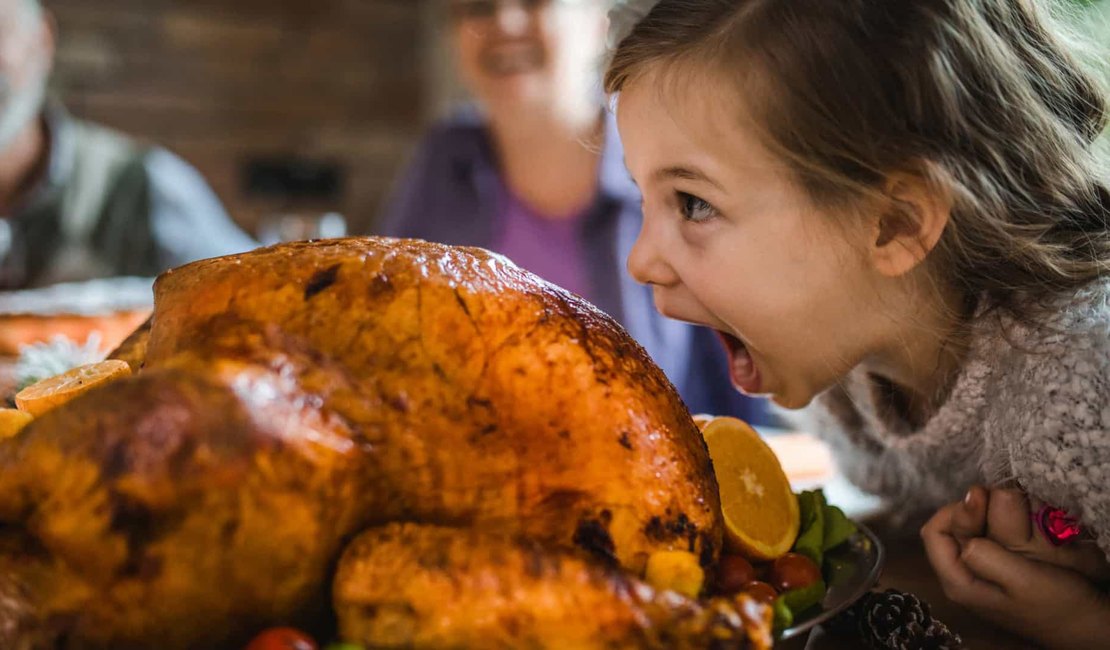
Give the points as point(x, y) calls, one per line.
point(52, 392)
point(760, 510)
point(12, 422)
point(702, 420)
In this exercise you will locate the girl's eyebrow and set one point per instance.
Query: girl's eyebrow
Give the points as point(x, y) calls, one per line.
point(686, 174)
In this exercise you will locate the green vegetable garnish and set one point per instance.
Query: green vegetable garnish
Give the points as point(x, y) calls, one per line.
point(822, 527)
point(783, 617)
point(811, 536)
point(808, 504)
point(789, 605)
point(838, 528)
point(799, 600)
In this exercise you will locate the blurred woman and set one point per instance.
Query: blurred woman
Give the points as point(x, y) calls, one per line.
point(535, 171)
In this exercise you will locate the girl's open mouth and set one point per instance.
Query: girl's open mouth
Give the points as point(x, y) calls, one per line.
point(741, 366)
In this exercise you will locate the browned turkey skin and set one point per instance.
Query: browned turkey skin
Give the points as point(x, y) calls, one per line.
point(294, 397)
point(423, 586)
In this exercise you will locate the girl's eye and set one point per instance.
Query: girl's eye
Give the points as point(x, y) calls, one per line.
point(693, 208)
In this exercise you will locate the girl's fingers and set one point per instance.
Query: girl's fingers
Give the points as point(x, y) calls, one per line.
point(959, 583)
point(1009, 521)
point(1036, 599)
point(1082, 556)
point(1022, 578)
point(988, 560)
point(1088, 559)
point(969, 519)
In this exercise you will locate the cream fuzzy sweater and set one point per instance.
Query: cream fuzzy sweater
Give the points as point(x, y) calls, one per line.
point(1030, 405)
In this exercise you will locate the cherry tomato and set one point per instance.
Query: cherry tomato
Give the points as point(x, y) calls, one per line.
point(733, 573)
point(282, 638)
point(793, 571)
point(760, 591)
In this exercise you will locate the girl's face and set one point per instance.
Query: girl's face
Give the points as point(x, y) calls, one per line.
point(730, 241)
point(516, 53)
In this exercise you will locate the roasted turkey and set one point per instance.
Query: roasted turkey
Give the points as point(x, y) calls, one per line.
point(408, 444)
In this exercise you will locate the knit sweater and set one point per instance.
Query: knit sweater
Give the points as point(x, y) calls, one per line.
point(1030, 406)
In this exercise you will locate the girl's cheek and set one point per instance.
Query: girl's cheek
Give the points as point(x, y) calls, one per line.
point(696, 235)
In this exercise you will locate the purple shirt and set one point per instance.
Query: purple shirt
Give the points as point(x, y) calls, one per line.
point(550, 247)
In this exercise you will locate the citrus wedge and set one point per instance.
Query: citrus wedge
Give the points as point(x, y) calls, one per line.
point(12, 422)
point(702, 420)
point(760, 510)
point(52, 392)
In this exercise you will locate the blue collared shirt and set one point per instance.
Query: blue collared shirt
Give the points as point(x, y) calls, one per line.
point(449, 194)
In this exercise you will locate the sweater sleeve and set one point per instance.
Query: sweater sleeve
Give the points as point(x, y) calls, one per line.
point(1058, 440)
point(899, 466)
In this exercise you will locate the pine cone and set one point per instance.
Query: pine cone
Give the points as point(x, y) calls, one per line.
point(895, 620)
point(938, 637)
point(892, 617)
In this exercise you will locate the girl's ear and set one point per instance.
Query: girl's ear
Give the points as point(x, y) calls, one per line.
point(910, 226)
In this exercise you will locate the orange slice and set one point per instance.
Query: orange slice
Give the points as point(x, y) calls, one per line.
point(52, 392)
point(702, 420)
point(759, 508)
point(12, 422)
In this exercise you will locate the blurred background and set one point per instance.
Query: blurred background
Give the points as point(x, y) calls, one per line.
point(325, 97)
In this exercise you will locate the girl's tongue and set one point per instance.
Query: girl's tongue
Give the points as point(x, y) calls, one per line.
point(741, 366)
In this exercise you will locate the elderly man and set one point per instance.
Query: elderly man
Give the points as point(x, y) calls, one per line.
point(78, 201)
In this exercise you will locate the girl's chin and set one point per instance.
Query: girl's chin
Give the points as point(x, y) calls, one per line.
point(791, 400)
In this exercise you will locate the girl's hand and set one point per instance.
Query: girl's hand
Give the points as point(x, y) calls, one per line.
point(1006, 516)
point(1057, 607)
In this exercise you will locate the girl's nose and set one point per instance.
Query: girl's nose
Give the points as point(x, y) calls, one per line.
point(645, 263)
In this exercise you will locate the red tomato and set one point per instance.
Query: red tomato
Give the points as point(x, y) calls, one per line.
point(761, 591)
point(793, 571)
point(733, 573)
point(282, 638)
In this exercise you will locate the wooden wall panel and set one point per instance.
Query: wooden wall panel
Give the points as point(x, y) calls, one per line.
point(221, 81)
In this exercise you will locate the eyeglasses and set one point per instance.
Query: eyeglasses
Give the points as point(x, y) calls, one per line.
point(487, 9)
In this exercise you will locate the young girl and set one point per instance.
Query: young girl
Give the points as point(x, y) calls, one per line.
point(895, 211)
